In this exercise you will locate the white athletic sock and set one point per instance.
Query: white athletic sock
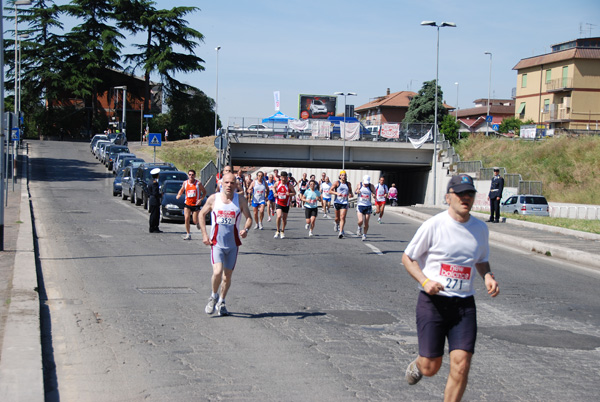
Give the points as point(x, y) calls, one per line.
point(215, 295)
point(221, 300)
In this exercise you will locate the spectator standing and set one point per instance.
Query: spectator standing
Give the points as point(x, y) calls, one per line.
point(154, 202)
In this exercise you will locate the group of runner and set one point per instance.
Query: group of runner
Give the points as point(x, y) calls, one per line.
point(277, 193)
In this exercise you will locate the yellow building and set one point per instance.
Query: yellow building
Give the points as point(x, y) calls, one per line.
point(561, 89)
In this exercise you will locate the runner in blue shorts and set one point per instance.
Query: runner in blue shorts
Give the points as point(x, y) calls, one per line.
point(443, 257)
point(257, 192)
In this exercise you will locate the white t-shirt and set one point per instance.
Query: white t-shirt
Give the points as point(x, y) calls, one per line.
point(447, 252)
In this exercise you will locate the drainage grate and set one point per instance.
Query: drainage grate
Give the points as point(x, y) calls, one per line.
point(166, 291)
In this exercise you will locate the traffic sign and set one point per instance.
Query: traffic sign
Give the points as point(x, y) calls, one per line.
point(148, 116)
point(15, 134)
point(154, 139)
point(489, 118)
point(221, 142)
point(495, 127)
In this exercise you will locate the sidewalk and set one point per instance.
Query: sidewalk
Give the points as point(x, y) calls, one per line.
point(578, 247)
point(21, 375)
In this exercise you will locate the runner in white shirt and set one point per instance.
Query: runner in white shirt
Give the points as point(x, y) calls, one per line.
point(326, 203)
point(258, 194)
point(342, 190)
point(443, 258)
point(365, 191)
point(226, 208)
point(381, 194)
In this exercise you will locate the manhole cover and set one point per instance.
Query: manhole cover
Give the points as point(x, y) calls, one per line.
point(166, 291)
point(542, 336)
point(357, 317)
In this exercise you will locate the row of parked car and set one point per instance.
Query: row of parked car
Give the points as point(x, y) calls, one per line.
point(132, 177)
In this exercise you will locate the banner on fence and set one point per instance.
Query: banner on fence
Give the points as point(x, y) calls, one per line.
point(390, 130)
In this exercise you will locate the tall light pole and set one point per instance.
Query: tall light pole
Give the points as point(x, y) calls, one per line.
point(2, 128)
point(456, 83)
point(21, 36)
point(435, 124)
point(217, 114)
point(18, 3)
point(487, 123)
point(344, 94)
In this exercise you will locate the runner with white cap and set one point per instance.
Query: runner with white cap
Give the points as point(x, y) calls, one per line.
point(341, 189)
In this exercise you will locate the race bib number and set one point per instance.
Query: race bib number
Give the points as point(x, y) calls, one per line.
point(343, 196)
point(312, 202)
point(190, 193)
point(282, 196)
point(456, 278)
point(365, 197)
point(225, 217)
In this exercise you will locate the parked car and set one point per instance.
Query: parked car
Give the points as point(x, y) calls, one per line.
point(99, 147)
point(143, 180)
point(526, 205)
point(117, 183)
point(118, 138)
point(259, 128)
point(95, 139)
point(128, 181)
point(111, 155)
point(172, 208)
point(132, 162)
point(118, 162)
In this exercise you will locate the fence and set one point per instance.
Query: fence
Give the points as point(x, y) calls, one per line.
point(530, 187)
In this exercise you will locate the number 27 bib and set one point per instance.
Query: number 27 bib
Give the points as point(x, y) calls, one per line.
point(456, 278)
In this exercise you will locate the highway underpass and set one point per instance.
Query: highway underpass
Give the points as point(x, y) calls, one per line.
point(399, 162)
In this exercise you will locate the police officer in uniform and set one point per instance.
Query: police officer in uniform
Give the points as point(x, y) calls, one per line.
point(495, 196)
point(154, 202)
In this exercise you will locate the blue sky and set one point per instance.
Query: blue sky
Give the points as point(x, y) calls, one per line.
point(320, 47)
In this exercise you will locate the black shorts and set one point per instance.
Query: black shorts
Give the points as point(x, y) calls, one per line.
point(308, 212)
point(365, 209)
point(340, 206)
point(193, 208)
point(441, 317)
point(285, 210)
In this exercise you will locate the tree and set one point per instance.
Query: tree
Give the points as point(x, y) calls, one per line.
point(165, 31)
point(449, 127)
point(191, 112)
point(94, 47)
point(422, 107)
point(511, 125)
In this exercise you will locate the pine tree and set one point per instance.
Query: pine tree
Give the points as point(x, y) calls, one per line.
point(422, 107)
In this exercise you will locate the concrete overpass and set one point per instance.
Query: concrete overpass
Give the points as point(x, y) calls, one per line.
point(399, 162)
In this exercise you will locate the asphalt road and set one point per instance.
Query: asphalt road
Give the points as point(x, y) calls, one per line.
point(313, 319)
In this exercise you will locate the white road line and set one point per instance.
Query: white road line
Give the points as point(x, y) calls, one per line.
point(375, 249)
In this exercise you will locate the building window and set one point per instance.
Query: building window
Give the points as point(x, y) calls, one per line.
point(546, 105)
point(524, 81)
point(521, 111)
point(548, 76)
point(565, 75)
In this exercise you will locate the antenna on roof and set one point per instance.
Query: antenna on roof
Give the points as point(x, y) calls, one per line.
point(585, 26)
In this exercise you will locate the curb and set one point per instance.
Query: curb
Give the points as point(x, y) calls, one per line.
point(21, 372)
point(581, 257)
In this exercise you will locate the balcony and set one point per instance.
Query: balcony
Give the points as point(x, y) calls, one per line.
point(556, 115)
point(560, 85)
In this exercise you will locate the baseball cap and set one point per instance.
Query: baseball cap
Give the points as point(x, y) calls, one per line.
point(155, 171)
point(496, 169)
point(460, 183)
point(367, 179)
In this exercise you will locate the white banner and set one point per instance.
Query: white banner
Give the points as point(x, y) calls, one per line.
point(418, 143)
point(351, 131)
point(321, 129)
point(277, 101)
point(390, 130)
point(298, 125)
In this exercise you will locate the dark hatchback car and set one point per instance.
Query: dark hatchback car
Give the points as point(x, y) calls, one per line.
point(172, 208)
point(143, 180)
point(112, 153)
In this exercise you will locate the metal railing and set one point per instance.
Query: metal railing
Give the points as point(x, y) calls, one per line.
point(560, 84)
point(530, 187)
point(469, 166)
point(512, 179)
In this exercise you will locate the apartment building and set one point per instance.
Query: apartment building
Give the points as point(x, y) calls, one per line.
point(561, 89)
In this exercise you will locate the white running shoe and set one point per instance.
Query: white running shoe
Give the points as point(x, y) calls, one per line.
point(336, 227)
point(187, 237)
point(260, 226)
point(378, 220)
point(341, 234)
point(413, 374)
point(364, 237)
point(210, 307)
point(306, 226)
point(276, 235)
point(310, 233)
point(324, 215)
point(256, 226)
point(221, 309)
point(282, 235)
point(269, 218)
point(359, 230)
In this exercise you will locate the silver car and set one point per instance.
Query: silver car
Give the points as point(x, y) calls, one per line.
point(526, 205)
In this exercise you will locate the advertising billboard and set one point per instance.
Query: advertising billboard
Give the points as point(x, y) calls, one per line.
point(316, 106)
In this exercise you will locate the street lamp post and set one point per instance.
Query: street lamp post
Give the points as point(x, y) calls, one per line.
point(344, 94)
point(435, 124)
point(123, 119)
point(487, 123)
point(21, 36)
point(456, 111)
point(217, 114)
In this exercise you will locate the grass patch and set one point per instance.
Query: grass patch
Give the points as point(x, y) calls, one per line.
point(567, 167)
point(185, 154)
point(583, 225)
